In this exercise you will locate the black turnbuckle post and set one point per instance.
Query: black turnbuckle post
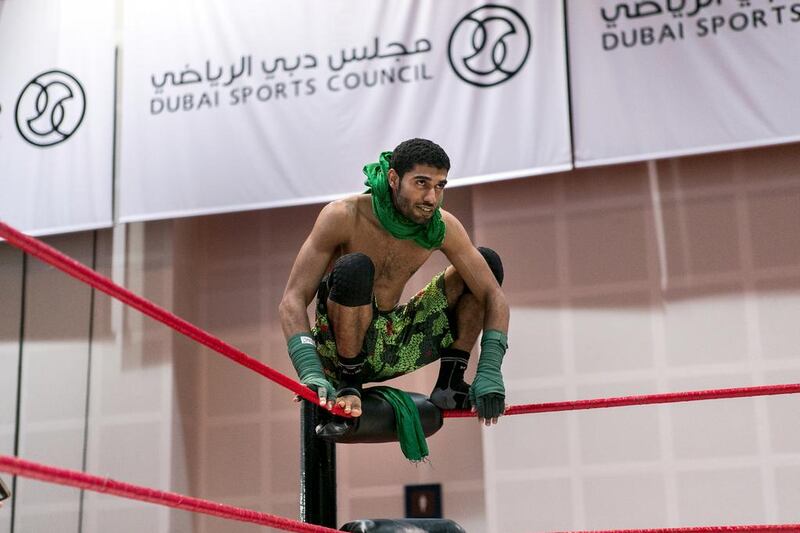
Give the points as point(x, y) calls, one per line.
point(317, 471)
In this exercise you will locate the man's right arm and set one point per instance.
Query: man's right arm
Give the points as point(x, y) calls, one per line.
point(330, 231)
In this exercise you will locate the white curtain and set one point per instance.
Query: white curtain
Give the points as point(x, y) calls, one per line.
point(56, 114)
point(674, 77)
point(239, 105)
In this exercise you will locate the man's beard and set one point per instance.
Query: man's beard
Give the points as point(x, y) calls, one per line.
point(409, 210)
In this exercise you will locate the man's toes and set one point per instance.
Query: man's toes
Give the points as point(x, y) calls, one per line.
point(350, 405)
point(353, 406)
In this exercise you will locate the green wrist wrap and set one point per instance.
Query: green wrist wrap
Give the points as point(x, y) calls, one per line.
point(493, 348)
point(487, 391)
point(303, 353)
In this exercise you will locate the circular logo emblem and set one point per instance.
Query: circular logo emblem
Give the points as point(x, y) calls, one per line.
point(489, 45)
point(50, 108)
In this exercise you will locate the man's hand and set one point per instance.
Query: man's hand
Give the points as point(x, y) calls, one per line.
point(303, 353)
point(325, 391)
point(487, 392)
point(489, 406)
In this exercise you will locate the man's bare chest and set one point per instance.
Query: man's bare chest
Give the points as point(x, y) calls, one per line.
point(395, 260)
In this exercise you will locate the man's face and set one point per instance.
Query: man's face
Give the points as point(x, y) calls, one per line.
point(418, 192)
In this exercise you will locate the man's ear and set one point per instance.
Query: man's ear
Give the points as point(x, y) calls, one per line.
point(394, 179)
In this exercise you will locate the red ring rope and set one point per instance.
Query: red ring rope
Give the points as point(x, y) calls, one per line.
point(670, 397)
point(72, 478)
point(702, 529)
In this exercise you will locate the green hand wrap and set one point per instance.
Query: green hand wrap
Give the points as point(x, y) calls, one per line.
point(487, 392)
point(303, 353)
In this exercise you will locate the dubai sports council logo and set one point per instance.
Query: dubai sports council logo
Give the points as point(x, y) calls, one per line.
point(489, 45)
point(50, 108)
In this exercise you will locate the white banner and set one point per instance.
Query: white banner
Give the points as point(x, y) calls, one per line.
point(662, 78)
point(56, 114)
point(232, 105)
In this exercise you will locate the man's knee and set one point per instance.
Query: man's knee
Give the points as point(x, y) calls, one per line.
point(351, 280)
point(493, 260)
point(495, 265)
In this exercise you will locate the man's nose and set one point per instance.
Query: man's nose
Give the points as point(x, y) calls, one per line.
point(430, 196)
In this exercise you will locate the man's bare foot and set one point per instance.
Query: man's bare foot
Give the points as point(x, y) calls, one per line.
point(351, 404)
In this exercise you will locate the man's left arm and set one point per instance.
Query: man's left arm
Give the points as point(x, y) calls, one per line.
point(487, 391)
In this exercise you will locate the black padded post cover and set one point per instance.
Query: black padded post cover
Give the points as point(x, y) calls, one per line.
point(377, 422)
point(403, 525)
point(317, 471)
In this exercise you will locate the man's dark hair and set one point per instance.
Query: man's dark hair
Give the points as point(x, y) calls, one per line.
point(418, 152)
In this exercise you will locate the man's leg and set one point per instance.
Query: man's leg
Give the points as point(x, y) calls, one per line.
point(350, 313)
point(450, 391)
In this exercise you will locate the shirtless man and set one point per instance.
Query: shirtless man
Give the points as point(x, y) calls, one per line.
point(376, 242)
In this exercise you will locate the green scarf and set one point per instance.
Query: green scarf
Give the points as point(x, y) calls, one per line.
point(409, 426)
point(428, 235)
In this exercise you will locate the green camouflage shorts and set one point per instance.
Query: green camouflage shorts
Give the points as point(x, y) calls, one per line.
point(397, 341)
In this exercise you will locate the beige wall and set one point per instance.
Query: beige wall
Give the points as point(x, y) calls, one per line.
point(53, 386)
point(10, 311)
point(673, 276)
point(112, 396)
point(642, 278)
point(132, 405)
